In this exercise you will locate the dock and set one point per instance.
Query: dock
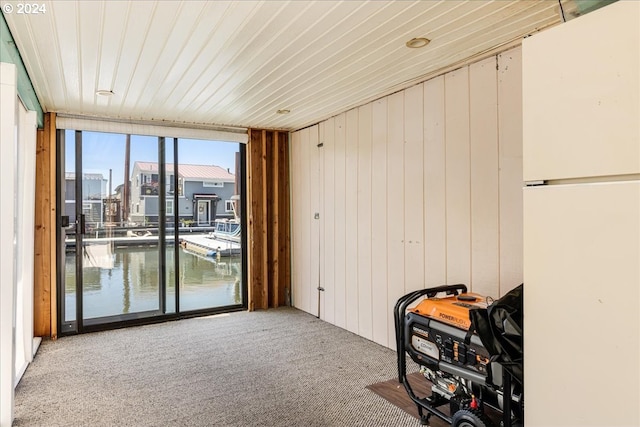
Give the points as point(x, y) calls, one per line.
point(202, 244)
point(119, 242)
point(210, 246)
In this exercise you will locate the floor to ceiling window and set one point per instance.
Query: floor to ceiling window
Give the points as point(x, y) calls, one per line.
point(150, 228)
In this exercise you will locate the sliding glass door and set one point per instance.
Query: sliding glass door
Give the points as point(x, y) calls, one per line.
point(145, 237)
point(210, 260)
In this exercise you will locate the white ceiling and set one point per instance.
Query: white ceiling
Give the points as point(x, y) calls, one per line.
point(235, 63)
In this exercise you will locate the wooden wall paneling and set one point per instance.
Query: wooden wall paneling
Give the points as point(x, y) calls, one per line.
point(279, 205)
point(395, 206)
point(365, 207)
point(284, 247)
point(329, 220)
point(510, 164)
point(42, 261)
point(340, 196)
point(413, 188)
point(252, 268)
point(321, 222)
point(379, 306)
point(249, 209)
point(269, 244)
point(458, 207)
point(483, 121)
point(269, 217)
point(351, 220)
point(435, 222)
point(314, 240)
point(45, 306)
point(273, 192)
point(50, 134)
point(258, 298)
point(267, 139)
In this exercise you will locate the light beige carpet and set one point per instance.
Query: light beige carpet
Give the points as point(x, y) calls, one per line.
point(278, 367)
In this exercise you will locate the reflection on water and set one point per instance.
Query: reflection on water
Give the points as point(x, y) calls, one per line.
point(132, 284)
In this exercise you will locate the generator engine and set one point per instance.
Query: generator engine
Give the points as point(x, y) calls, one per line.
point(438, 335)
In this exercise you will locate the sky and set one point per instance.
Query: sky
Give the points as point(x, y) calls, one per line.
point(104, 151)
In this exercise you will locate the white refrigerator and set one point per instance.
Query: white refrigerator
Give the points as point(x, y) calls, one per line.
point(581, 167)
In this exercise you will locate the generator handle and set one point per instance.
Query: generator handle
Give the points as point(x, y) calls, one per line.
point(399, 312)
point(448, 289)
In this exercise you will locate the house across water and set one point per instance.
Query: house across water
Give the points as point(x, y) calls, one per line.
point(94, 190)
point(204, 193)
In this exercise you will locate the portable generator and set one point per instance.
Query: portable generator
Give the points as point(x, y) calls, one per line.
point(442, 336)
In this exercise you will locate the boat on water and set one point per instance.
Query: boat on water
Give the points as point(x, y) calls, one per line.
point(222, 242)
point(226, 230)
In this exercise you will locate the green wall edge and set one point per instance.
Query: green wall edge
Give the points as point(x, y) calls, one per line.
point(586, 6)
point(9, 53)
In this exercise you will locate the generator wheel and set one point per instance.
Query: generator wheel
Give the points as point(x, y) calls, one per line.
point(467, 418)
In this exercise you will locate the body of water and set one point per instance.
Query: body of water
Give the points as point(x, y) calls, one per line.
point(125, 280)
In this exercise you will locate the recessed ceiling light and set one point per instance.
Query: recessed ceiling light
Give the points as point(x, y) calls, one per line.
point(103, 92)
point(417, 42)
point(283, 111)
